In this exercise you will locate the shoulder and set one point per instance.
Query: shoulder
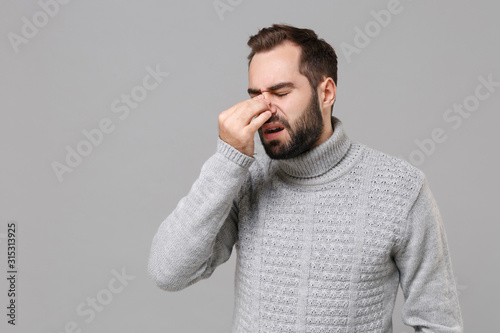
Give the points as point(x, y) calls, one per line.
point(387, 164)
point(394, 175)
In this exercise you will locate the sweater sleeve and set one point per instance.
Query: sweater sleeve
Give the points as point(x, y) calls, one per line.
point(200, 233)
point(426, 277)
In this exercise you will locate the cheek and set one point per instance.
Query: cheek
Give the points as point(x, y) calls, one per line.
point(286, 106)
point(291, 109)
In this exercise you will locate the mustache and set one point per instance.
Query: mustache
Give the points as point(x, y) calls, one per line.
point(277, 119)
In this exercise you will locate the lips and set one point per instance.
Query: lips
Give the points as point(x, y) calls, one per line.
point(272, 130)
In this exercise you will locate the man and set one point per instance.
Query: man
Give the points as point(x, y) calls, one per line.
point(325, 229)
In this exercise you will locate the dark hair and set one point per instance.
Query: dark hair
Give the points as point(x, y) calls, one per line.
point(318, 59)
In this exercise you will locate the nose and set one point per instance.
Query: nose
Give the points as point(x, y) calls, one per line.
point(268, 96)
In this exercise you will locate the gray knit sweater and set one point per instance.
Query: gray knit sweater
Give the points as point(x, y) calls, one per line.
point(322, 240)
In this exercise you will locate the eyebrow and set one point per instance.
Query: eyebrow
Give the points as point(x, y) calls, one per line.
point(277, 86)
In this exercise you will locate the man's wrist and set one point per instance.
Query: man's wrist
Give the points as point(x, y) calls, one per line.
point(233, 154)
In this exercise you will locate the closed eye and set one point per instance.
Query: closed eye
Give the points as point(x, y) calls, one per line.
point(281, 94)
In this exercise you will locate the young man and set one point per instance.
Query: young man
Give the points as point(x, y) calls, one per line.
point(325, 229)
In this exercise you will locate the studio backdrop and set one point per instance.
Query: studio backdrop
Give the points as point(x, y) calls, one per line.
point(109, 109)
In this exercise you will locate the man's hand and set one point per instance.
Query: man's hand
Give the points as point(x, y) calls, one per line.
point(236, 126)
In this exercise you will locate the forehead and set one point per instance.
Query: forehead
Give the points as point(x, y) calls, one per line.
point(280, 64)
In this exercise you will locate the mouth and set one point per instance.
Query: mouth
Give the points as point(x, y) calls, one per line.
point(272, 130)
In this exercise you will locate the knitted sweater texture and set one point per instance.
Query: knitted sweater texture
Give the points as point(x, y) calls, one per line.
point(323, 240)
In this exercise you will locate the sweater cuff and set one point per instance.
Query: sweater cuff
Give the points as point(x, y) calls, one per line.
point(233, 154)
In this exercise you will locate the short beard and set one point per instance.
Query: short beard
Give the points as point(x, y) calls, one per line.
point(308, 130)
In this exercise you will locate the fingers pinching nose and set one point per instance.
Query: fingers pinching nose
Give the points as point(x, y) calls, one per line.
point(261, 96)
point(268, 102)
point(271, 107)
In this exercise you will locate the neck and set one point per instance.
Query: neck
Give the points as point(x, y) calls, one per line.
point(323, 157)
point(325, 134)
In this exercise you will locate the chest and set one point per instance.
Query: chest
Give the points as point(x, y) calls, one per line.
point(329, 231)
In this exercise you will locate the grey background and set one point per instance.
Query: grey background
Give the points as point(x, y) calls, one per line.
point(103, 215)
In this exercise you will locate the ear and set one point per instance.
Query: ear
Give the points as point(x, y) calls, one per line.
point(327, 90)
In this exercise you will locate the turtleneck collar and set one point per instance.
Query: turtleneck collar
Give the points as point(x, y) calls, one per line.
point(320, 159)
